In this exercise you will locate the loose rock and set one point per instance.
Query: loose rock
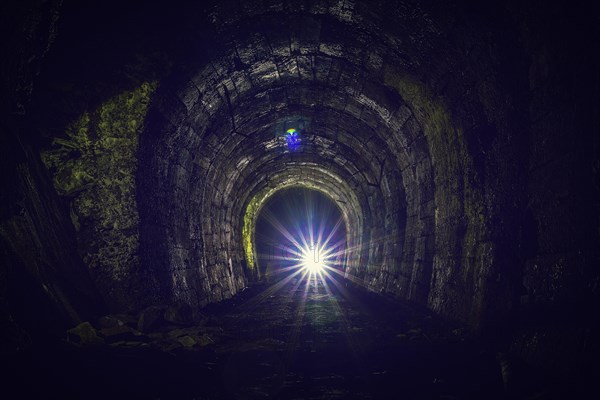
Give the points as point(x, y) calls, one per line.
point(84, 334)
point(150, 318)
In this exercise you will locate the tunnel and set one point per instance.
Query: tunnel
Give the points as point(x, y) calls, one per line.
point(300, 199)
point(299, 231)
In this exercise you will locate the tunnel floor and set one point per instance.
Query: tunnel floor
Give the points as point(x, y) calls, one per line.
point(303, 341)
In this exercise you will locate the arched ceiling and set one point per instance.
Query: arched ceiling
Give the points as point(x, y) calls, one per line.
point(344, 67)
point(405, 115)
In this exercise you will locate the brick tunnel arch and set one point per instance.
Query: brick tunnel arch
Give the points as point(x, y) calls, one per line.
point(356, 139)
point(208, 149)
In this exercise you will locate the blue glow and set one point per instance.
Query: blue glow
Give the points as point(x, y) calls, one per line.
point(292, 139)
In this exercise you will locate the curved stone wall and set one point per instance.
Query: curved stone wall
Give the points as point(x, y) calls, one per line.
point(374, 123)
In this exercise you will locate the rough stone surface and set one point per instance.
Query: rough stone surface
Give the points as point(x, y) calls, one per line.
point(84, 334)
point(150, 318)
point(459, 141)
point(181, 314)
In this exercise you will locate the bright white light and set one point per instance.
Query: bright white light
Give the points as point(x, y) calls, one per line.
point(311, 260)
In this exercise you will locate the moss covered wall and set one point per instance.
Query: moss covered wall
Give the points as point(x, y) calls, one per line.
point(250, 216)
point(93, 168)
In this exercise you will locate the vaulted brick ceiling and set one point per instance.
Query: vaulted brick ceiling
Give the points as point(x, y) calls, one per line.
point(380, 89)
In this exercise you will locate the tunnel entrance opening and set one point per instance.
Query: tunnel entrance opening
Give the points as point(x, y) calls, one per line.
point(300, 232)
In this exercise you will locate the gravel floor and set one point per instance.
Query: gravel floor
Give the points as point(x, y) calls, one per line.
point(288, 340)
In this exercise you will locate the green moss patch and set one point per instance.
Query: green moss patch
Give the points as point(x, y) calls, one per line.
point(93, 167)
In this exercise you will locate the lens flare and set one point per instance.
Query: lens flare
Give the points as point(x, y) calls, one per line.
point(311, 261)
point(302, 239)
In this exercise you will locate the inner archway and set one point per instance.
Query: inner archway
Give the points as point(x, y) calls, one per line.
point(300, 231)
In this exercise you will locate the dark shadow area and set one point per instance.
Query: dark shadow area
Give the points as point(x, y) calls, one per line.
point(304, 340)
